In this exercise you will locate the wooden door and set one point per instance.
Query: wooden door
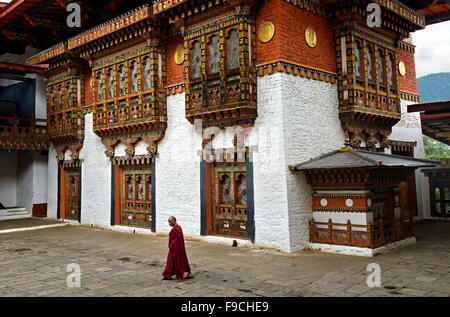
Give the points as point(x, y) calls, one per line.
point(72, 194)
point(229, 195)
point(136, 196)
point(440, 197)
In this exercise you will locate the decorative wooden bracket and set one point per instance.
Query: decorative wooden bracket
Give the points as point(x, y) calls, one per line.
point(152, 140)
point(110, 145)
point(130, 142)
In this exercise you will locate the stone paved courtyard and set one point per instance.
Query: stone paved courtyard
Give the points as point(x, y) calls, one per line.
point(34, 263)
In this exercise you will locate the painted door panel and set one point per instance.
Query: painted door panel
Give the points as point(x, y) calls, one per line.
point(72, 180)
point(230, 200)
point(136, 196)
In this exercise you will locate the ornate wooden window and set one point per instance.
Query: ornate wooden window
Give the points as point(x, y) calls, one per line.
point(391, 69)
point(134, 80)
point(381, 66)
point(232, 52)
point(369, 57)
point(213, 55)
point(138, 109)
point(196, 69)
point(440, 194)
point(136, 196)
point(111, 83)
point(100, 86)
point(64, 111)
point(367, 90)
point(221, 73)
point(53, 100)
point(147, 74)
point(358, 66)
point(123, 80)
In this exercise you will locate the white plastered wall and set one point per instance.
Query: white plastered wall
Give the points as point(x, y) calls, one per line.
point(8, 179)
point(311, 128)
point(409, 129)
point(95, 178)
point(52, 183)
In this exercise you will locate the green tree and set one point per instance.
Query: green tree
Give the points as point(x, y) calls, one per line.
point(435, 149)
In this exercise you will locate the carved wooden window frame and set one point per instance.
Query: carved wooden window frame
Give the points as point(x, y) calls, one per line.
point(235, 71)
point(121, 66)
point(194, 80)
point(131, 62)
point(108, 72)
point(359, 78)
point(381, 56)
point(209, 37)
point(370, 50)
point(144, 58)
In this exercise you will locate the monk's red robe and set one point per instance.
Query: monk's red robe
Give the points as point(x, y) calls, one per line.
point(177, 261)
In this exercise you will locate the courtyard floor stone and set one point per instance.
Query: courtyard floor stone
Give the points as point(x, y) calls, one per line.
point(34, 263)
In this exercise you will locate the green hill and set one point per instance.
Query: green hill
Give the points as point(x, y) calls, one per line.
point(434, 87)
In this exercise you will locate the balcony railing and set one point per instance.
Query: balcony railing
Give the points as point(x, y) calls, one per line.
point(23, 134)
point(370, 235)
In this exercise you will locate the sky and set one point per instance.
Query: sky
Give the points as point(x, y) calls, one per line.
point(432, 49)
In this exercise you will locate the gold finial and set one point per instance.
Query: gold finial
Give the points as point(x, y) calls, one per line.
point(347, 145)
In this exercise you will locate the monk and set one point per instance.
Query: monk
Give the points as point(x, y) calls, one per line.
point(177, 262)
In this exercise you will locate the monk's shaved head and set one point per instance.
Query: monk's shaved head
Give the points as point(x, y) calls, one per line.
point(173, 218)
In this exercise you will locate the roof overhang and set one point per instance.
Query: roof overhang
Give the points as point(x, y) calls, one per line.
point(349, 158)
point(435, 117)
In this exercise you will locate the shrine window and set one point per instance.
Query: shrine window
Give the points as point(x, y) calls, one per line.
point(68, 96)
point(221, 75)
point(226, 196)
point(369, 57)
point(147, 74)
point(213, 55)
point(241, 188)
point(196, 60)
point(358, 68)
point(381, 67)
point(391, 69)
point(232, 53)
point(100, 86)
point(134, 77)
point(60, 97)
point(122, 80)
point(53, 100)
point(111, 84)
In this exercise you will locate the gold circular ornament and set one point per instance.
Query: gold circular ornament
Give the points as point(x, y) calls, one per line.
point(401, 69)
point(266, 32)
point(310, 37)
point(179, 55)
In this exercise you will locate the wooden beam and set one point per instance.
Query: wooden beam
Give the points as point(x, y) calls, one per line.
point(10, 7)
point(23, 68)
point(443, 134)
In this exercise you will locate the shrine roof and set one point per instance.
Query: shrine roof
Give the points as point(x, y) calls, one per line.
point(351, 158)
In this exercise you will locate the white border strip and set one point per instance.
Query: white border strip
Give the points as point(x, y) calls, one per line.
point(33, 228)
point(359, 251)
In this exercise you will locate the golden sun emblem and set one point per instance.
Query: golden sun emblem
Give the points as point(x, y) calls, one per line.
point(402, 69)
point(310, 37)
point(179, 55)
point(266, 31)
